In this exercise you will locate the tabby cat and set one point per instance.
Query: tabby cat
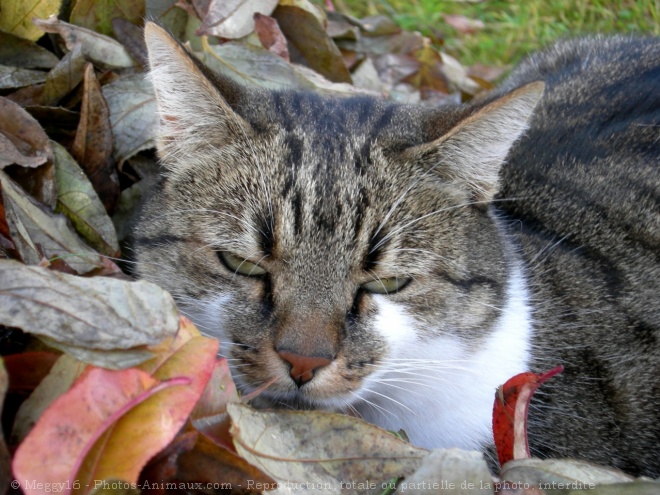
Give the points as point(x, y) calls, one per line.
point(399, 262)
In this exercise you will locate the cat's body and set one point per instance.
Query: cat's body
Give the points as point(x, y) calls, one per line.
point(380, 280)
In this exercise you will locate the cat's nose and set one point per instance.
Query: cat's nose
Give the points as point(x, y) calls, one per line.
point(303, 367)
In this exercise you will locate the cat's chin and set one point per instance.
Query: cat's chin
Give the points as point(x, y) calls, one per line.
point(299, 402)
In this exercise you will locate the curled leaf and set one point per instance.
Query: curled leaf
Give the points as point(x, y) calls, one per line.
point(510, 414)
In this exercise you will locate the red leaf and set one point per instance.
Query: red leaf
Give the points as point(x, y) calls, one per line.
point(510, 414)
point(55, 448)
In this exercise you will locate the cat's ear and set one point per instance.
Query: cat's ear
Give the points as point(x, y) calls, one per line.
point(472, 153)
point(195, 117)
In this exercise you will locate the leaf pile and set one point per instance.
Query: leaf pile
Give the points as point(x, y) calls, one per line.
point(115, 392)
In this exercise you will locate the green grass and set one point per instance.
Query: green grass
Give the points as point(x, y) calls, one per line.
point(513, 28)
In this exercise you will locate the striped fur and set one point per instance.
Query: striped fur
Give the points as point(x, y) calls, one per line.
point(329, 194)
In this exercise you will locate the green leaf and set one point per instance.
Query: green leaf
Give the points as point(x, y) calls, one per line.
point(78, 201)
point(97, 15)
point(304, 31)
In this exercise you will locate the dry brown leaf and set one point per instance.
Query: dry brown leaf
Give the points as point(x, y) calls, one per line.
point(98, 313)
point(21, 136)
point(319, 447)
point(315, 48)
point(93, 145)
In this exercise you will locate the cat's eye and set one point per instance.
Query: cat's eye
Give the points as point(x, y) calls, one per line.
point(240, 265)
point(386, 285)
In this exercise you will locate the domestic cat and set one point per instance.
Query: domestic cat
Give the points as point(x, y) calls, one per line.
point(399, 262)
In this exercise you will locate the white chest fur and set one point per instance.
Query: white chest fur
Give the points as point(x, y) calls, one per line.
point(441, 391)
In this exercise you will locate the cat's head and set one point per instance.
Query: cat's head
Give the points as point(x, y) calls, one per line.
point(324, 239)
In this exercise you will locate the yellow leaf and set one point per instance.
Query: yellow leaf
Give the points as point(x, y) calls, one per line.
point(17, 16)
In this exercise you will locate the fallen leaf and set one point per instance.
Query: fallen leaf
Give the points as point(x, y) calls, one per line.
point(21, 136)
point(458, 76)
point(132, 37)
point(133, 116)
point(540, 471)
point(252, 65)
point(152, 424)
point(35, 231)
point(449, 471)
point(379, 25)
point(102, 50)
point(96, 313)
point(320, 447)
point(168, 14)
point(19, 52)
point(17, 16)
point(486, 72)
point(430, 73)
point(55, 449)
point(78, 201)
point(15, 77)
point(64, 372)
point(209, 463)
point(97, 15)
point(463, 24)
point(304, 31)
point(255, 65)
point(64, 77)
point(210, 414)
point(510, 414)
point(92, 148)
point(271, 36)
point(231, 19)
point(10, 155)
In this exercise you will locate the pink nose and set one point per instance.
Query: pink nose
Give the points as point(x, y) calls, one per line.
point(303, 367)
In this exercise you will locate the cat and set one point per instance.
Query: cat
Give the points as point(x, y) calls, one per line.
point(399, 262)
